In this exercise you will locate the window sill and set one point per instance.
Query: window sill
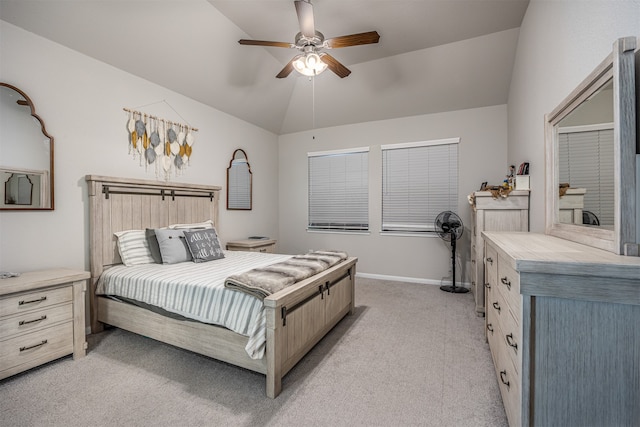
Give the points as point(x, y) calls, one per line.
point(362, 233)
point(431, 234)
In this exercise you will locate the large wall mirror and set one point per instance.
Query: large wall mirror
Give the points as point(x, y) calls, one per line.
point(26, 154)
point(591, 158)
point(239, 182)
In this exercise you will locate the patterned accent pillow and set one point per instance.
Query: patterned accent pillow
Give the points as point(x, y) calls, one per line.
point(204, 245)
point(173, 246)
point(133, 247)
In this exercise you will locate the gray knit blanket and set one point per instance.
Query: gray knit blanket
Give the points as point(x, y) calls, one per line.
point(264, 281)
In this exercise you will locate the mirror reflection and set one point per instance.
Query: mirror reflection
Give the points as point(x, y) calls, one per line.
point(239, 182)
point(590, 188)
point(26, 154)
point(586, 162)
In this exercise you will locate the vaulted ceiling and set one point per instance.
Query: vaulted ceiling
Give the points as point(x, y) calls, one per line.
point(433, 55)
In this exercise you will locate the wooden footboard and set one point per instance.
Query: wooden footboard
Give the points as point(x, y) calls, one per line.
point(299, 316)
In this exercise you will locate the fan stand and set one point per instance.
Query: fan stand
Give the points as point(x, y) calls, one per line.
point(453, 288)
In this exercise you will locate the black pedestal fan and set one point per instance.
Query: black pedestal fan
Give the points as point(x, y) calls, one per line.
point(449, 227)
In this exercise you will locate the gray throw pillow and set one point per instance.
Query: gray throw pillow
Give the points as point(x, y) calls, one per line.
point(152, 240)
point(173, 246)
point(204, 245)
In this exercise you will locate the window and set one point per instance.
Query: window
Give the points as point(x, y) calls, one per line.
point(586, 161)
point(339, 190)
point(419, 180)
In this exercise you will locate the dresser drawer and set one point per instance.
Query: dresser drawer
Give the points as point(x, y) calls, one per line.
point(508, 285)
point(490, 264)
point(34, 320)
point(507, 375)
point(40, 346)
point(34, 300)
point(509, 329)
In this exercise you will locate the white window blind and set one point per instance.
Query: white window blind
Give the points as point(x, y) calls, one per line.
point(339, 190)
point(419, 180)
point(586, 161)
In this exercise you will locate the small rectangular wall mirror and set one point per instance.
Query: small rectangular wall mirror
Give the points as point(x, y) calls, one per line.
point(590, 141)
point(239, 182)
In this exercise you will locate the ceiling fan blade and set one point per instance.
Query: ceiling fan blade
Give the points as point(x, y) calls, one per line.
point(264, 43)
point(304, 9)
point(353, 40)
point(334, 65)
point(286, 70)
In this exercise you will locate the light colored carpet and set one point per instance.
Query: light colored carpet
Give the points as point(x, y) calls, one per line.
point(411, 355)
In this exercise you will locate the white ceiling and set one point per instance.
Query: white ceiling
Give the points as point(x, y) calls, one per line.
point(433, 55)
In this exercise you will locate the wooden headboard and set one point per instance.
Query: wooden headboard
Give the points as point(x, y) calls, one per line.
point(117, 204)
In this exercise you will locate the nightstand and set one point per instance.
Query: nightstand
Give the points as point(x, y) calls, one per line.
point(42, 318)
point(252, 245)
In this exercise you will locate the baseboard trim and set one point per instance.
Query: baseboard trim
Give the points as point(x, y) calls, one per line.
point(409, 279)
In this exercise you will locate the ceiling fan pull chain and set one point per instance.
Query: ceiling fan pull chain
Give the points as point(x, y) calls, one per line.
point(313, 103)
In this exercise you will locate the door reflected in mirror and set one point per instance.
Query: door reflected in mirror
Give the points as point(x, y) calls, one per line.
point(586, 162)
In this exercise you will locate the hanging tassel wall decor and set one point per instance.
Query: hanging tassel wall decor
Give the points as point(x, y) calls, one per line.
point(162, 143)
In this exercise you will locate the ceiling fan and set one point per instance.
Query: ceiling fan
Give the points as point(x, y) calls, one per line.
point(313, 60)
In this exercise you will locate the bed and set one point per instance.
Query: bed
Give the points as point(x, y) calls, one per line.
point(295, 318)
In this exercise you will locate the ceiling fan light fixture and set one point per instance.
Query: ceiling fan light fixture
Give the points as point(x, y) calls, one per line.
point(309, 64)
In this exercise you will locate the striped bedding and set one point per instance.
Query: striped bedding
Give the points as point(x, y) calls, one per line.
point(197, 291)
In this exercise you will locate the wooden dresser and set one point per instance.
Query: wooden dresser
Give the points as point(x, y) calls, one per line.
point(42, 318)
point(493, 214)
point(563, 326)
point(252, 245)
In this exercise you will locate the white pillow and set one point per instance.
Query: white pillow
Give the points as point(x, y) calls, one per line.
point(133, 247)
point(194, 226)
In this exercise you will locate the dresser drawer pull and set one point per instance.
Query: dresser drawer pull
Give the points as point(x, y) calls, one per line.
point(506, 282)
point(490, 260)
point(503, 376)
point(26, 322)
point(33, 346)
point(496, 306)
point(263, 250)
point(511, 342)
point(487, 285)
point(490, 327)
point(32, 301)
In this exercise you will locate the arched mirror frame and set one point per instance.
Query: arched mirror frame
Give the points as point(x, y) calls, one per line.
point(32, 108)
point(239, 154)
point(619, 66)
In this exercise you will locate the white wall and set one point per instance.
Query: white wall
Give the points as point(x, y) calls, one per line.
point(482, 157)
point(81, 102)
point(560, 43)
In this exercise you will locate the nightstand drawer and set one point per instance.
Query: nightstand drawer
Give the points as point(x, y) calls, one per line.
point(34, 300)
point(252, 245)
point(40, 346)
point(34, 320)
